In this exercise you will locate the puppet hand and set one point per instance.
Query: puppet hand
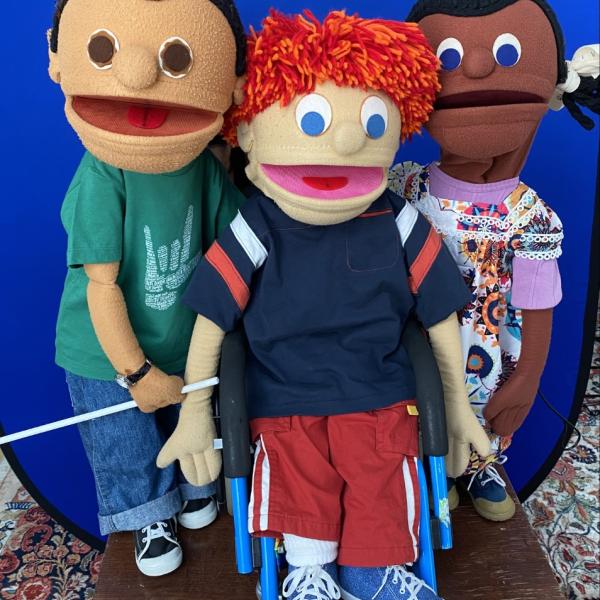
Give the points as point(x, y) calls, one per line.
point(157, 390)
point(510, 405)
point(464, 431)
point(192, 442)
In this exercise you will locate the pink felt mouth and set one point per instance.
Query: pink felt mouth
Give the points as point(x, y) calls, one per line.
point(326, 182)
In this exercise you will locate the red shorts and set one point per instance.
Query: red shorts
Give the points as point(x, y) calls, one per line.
point(349, 478)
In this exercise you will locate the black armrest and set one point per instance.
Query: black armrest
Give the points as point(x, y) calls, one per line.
point(232, 400)
point(430, 392)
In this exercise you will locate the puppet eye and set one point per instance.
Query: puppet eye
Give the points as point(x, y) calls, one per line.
point(314, 115)
point(102, 47)
point(507, 50)
point(450, 52)
point(175, 57)
point(374, 117)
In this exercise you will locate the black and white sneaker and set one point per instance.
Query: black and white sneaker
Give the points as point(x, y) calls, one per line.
point(197, 514)
point(157, 549)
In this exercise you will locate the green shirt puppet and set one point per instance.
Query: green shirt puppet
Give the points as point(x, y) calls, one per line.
point(146, 89)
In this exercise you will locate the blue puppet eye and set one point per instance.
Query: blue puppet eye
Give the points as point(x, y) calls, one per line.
point(507, 50)
point(313, 115)
point(450, 52)
point(374, 117)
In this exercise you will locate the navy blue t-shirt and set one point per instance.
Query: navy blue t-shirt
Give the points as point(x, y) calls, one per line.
point(324, 307)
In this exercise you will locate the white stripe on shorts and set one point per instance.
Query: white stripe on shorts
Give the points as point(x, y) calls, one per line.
point(411, 512)
point(266, 490)
point(251, 504)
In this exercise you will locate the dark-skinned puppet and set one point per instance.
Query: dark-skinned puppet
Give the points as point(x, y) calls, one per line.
point(324, 265)
point(502, 65)
point(147, 84)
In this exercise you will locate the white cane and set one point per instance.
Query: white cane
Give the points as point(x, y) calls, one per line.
point(97, 414)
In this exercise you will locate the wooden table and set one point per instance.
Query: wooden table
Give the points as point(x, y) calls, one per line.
point(490, 561)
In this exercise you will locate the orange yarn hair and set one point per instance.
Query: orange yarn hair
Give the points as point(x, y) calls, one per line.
point(291, 55)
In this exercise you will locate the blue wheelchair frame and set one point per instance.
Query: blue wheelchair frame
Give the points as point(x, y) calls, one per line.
point(435, 529)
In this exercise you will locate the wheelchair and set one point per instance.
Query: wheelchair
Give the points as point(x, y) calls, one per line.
point(260, 554)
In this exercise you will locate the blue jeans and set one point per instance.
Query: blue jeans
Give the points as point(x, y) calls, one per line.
point(122, 449)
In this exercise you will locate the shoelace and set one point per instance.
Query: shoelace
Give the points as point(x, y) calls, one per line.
point(311, 581)
point(491, 472)
point(409, 582)
point(155, 532)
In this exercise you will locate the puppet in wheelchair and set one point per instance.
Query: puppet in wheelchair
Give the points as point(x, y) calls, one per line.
point(324, 266)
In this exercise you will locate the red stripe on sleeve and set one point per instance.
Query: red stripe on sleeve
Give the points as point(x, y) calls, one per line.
point(424, 261)
point(217, 257)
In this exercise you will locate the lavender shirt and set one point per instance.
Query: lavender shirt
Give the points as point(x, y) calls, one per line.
point(536, 283)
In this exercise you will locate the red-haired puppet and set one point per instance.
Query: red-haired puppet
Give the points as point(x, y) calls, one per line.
point(502, 61)
point(324, 266)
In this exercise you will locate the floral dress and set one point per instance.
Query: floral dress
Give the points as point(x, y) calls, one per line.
point(484, 239)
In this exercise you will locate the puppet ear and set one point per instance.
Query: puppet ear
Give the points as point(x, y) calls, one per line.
point(53, 69)
point(239, 94)
point(245, 137)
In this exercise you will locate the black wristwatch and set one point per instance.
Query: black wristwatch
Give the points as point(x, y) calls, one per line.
point(128, 381)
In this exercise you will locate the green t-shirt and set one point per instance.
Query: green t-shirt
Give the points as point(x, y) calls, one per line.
point(157, 227)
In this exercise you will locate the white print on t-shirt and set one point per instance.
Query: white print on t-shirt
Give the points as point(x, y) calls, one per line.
point(168, 268)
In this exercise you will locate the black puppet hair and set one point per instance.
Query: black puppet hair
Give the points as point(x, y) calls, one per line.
point(227, 7)
point(588, 93)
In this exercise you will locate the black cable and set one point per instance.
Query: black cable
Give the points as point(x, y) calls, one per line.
point(568, 426)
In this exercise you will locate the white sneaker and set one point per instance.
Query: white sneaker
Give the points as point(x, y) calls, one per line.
point(157, 549)
point(197, 514)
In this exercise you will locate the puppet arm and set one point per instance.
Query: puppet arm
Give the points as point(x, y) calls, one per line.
point(192, 440)
point(510, 405)
point(108, 312)
point(464, 429)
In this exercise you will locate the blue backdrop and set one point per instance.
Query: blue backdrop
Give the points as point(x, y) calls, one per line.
point(40, 155)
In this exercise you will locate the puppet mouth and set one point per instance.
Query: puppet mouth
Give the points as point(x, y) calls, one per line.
point(140, 118)
point(485, 98)
point(322, 182)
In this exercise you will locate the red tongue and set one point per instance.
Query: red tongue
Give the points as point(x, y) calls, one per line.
point(326, 183)
point(147, 117)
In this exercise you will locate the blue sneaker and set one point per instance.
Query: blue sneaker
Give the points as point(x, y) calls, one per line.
point(391, 583)
point(312, 583)
point(488, 493)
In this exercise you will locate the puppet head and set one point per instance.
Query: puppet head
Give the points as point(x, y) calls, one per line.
point(325, 107)
point(147, 82)
point(501, 63)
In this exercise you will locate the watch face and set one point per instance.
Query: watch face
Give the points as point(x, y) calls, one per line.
point(122, 381)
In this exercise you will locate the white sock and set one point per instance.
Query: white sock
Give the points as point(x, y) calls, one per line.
point(304, 552)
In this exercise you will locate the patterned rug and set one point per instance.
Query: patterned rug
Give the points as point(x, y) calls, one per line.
point(39, 560)
point(565, 509)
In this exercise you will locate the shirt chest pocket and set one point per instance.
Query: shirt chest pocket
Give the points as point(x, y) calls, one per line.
point(372, 242)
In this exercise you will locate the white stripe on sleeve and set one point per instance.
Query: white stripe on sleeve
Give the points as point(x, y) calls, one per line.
point(249, 241)
point(406, 222)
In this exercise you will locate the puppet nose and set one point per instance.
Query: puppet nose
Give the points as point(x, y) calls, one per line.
point(478, 63)
point(135, 67)
point(349, 138)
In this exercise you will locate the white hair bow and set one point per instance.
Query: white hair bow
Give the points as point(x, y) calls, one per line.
point(585, 63)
